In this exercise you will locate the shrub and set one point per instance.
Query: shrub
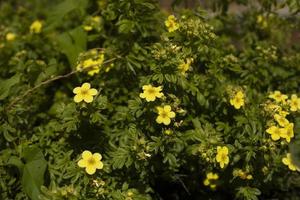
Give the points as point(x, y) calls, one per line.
point(119, 100)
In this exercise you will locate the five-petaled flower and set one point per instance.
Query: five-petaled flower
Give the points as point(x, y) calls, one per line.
point(164, 115)
point(171, 23)
point(222, 156)
point(278, 97)
point(276, 132)
point(150, 93)
point(294, 103)
point(92, 66)
point(36, 27)
point(90, 162)
point(289, 132)
point(185, 66)
point(288, 161)
point(238, 100)
point(84, 93)
point(282, 121)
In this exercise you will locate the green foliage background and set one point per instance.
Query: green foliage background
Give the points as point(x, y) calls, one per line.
point(43, 131)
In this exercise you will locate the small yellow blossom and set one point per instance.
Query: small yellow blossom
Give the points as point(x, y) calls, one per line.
point(210, 179)
point(96, 19)
point(87, 28)
point(36, 27)
point(282, 121)
point(168, 132)
point(164, 115)
point(283, 113)
point(10, 36)
point(261, 20)
point(242, 174)
point(276, 132)
point(222, 156)
point(84, 93)
point(150, 92)
point(91, 162)
point(278, 97)
point(288, 162)
point(238, 100)
point(185, 66)
point(92, 66)
point(171, 23)
point(294, 103)
point(289, 132)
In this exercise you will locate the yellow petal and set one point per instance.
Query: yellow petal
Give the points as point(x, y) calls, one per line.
point(99, 165)
point(82, 163)
point(146, 87)
point(88, 98)
point(86, 86)
point(166, 121)
point(142, 95)
point(167, 108)
point(97, 156)
point(159, 119)
point(90, 170)
point(159, 109)
point(150, 97)
point(86, 154)
point(93, 91)
point(78, 98)
point(206, 182)
point(76, 90)
point(171, 114)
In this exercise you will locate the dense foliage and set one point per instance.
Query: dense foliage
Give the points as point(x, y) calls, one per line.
point(121, 100)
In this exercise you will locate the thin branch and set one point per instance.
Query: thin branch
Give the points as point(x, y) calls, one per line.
point(18, 98)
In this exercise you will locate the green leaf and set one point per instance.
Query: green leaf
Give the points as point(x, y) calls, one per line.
point(5, 85)
point(72, 43)
point(125, 26)
point(33, 172)
point(58, 12)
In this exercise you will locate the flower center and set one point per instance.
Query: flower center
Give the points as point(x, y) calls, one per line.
point(164, 114)
point(151, 91)
point(91, 161)
point(223, 157)
point(84, 92)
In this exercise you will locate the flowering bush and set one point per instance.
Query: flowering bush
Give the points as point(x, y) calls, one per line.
point(119, 100)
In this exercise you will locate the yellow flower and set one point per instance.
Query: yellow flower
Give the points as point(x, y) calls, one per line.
point(238, 100)
point(36, 27)
point(276, 132)
point(84, 93)
point(282, 121)
point(171, 23)
point(90, 162)
point(87, 28)
point(283, 113)
point(242, 174)
point(294, 103)
point(210, 178)
point(164, 115)
point(278, 97)
point(288, 161)
point(289, 132)
point(92, 66)
point(10, 36)
point(150, 93)
point(96, 19)
point(185, 66)
point(222, 156)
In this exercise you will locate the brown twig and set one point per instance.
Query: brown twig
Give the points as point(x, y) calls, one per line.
point(18, 98)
